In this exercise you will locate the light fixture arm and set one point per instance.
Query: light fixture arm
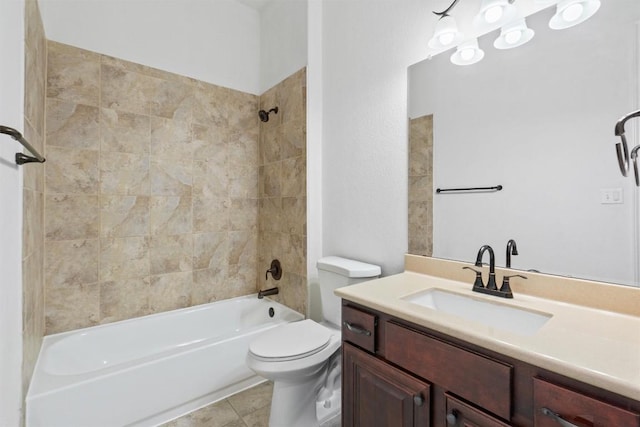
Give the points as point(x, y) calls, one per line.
point(447, 10)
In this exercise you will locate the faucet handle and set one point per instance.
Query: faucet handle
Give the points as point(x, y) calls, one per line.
point(506, 288)
point(478, 282)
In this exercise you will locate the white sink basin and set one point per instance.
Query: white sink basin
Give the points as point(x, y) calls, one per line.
point(489, 313)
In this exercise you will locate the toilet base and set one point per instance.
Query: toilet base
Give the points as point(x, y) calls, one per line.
point(295, 402)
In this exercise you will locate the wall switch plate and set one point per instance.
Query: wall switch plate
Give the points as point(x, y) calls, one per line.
point(610, 196)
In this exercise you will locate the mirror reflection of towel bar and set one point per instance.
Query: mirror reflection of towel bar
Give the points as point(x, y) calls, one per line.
point(469, 189)
point(20, 157)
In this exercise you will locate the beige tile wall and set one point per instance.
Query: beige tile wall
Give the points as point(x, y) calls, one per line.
point(152, 191)
point(283, 190)
point(33, 208)
point(421, 185)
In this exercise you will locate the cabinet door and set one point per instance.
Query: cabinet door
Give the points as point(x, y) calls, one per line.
point(375, 394)
point(460, 414)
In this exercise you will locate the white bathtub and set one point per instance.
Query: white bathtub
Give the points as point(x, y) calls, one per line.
point(148, 370)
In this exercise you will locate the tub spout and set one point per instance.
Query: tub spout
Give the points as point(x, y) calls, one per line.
point(267, 292)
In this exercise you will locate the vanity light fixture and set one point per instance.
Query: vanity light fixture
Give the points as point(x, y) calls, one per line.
point(467, 53)
point(494, 12)
point(513, 35)
point(446, 33)
point(573, 12)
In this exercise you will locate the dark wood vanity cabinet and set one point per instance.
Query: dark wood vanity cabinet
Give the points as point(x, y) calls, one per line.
point(396, 373)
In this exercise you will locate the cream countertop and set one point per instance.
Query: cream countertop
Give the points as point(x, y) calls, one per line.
point(582, 341)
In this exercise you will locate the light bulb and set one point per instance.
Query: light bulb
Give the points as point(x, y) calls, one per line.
point(513, 37)
point(572, 12)
point(493, 14)
point(467, 53)
point(446, 39)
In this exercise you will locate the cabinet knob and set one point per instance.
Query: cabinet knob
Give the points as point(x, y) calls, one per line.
point(418, 400)
point(452, 418)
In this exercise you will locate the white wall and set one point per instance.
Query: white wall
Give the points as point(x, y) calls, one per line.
point(11, 114)
point(534, 120)
point(283, 40)
point(367, 47)
point(214, 41)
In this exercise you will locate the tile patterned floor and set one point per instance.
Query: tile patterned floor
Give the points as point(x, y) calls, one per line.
point(249, 408)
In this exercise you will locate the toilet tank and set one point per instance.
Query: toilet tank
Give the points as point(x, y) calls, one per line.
point(335, 272)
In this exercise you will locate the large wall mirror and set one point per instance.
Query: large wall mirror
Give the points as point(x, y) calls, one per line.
point(539, 121)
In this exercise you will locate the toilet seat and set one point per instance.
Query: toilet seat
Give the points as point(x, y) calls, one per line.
point(292, 341)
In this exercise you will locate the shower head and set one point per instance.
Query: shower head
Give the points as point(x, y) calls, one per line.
point(264, 115)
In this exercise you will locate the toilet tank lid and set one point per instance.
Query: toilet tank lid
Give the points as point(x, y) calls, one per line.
point(348, 267)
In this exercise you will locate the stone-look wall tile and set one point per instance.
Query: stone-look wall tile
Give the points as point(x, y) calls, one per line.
point(282, 190)
point(209, 249)
point(210, 177)
point(124, 299)
point(173, 99)
point(210, 214)
point(242, 278)
point(170, 254)
point(72, 171)
point(124, 173)
point(124, 216)
point(270, 176)
point(72, 125)
point(171, 139)
point(209, 108)
point(171, 176)
point(244, 215)
point(127, 90)
point(72, 307)
point(72, 217)
point(73, 74)
point(209, 141)
point(33, 301)
point(170, 291)
point(421, 146)
point(271, 215)
point(32, 222)
point(124, 258)
point(71, 263)
point(34, 79)
point(295, 220)
point(170, 215)
point(124, 132)
point(33, 177)
point(293, 139)
point(210, 284)
point(420, 209)
point(293, 181)
point(243, 247)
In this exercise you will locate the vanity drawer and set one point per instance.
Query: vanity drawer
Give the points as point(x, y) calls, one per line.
point(575, 408)
point(359, 328)
point(485, 382)
point(462, 414)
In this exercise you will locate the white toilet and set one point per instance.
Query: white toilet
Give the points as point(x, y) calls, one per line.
point(303, 358)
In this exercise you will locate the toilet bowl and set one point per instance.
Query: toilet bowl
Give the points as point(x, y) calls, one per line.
point(303, 358)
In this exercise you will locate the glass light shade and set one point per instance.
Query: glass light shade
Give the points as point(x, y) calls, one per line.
point(446, 33)
point(573, 12)
point(494, 12)
point(467, 53)
point(513, 35)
